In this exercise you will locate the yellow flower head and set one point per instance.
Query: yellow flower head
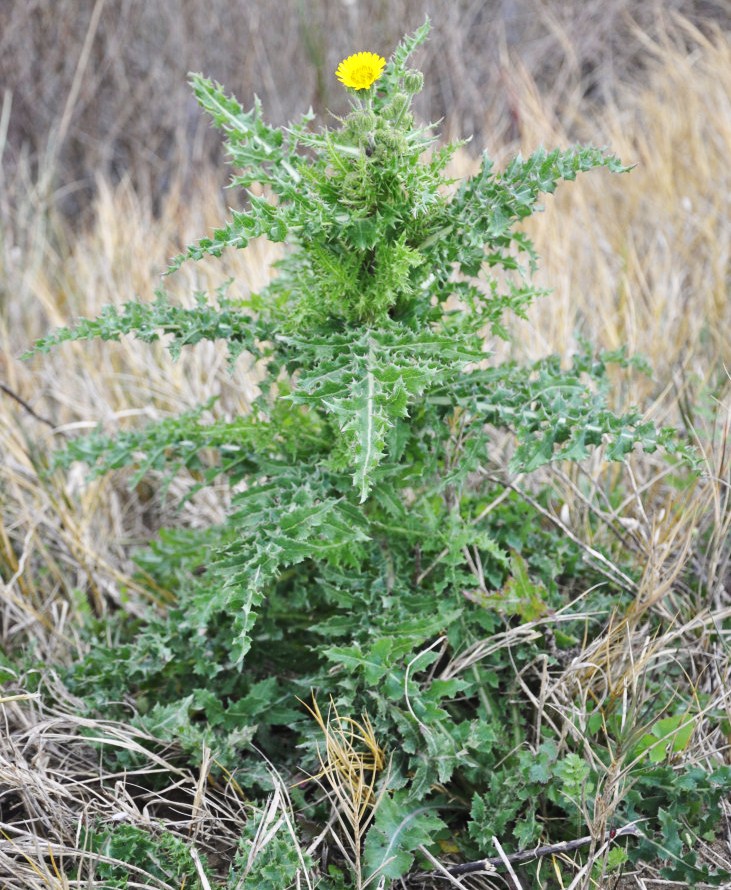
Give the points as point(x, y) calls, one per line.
point(361, 70)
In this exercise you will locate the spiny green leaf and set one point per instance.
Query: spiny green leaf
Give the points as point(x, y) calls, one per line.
point(148, 322)
point(367, 383)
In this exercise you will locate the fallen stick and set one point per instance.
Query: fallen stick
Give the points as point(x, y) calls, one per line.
point(490, 864)
point(22, 402)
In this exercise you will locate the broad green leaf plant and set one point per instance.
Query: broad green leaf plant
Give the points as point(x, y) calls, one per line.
point(359, 556)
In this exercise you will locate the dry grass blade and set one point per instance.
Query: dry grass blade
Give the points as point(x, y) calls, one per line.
point(353, 758)
point(351, 764)
point(506, 862)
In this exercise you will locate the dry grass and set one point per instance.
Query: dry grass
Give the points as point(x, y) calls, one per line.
point(99, 87)
point(350, 767)
point(641, 260)
point(54, 794)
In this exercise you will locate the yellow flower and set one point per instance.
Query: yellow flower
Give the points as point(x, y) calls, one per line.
point(361, 70)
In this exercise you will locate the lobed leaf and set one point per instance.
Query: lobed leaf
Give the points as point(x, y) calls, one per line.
point(368, 382)
point(401, 826)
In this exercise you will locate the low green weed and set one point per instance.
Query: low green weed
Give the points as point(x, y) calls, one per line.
point(129, 856)
point(371, 557)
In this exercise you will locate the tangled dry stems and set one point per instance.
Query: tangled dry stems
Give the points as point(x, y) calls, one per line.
point(54, 793)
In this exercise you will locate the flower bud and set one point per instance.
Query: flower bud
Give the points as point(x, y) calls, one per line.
point(397, 106)
point(413, 81)
point(362, 122)
point(393, 140)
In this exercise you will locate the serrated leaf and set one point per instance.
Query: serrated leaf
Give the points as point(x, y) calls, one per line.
point(151, 321)
point(367, 384)
point(278, 524)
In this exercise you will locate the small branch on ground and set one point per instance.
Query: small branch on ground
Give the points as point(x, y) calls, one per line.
point(507, 860)
point(22, 402)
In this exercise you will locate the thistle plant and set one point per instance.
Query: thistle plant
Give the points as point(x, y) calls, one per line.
point(361, 553)
point(379, 394)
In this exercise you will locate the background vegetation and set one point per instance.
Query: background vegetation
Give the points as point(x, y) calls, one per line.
point(108, 170)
